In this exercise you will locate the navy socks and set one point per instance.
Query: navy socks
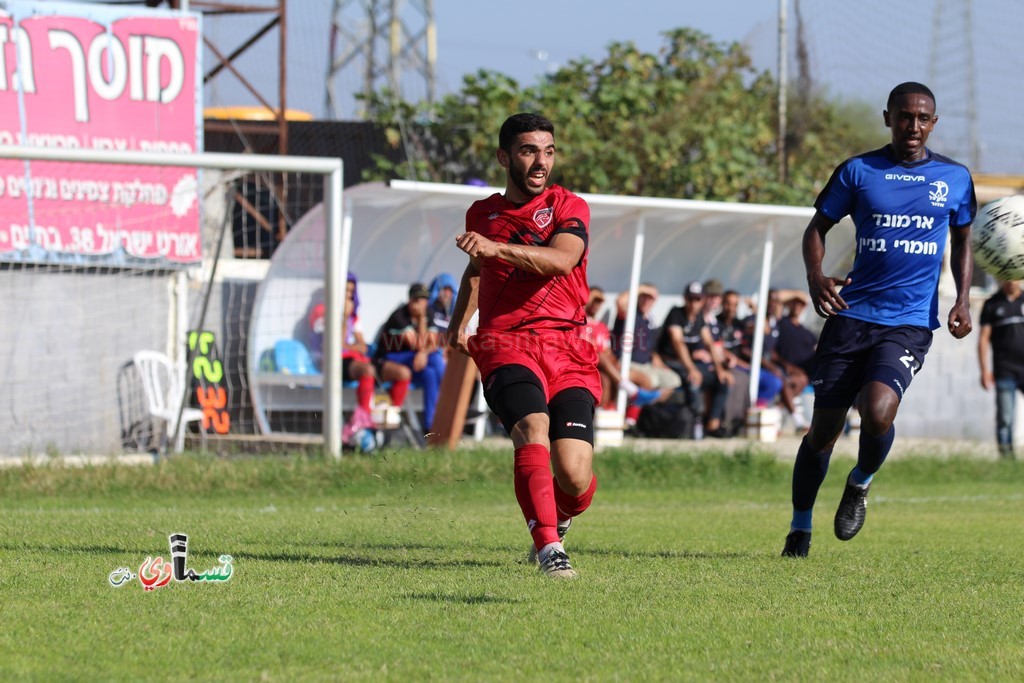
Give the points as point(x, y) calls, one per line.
point(808, 473)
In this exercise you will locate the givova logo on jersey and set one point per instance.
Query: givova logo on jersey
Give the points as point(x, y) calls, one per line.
point(940, 194)
point(906, 177)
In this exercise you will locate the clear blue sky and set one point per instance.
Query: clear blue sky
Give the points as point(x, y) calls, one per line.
point(523, 42)
point(858, 50)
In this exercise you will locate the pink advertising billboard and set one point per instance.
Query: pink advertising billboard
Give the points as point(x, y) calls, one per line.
point(99, 77)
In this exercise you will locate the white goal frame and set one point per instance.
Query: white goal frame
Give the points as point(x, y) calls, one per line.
point(336, 242)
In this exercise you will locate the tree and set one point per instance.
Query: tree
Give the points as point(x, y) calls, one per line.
point(695, 121)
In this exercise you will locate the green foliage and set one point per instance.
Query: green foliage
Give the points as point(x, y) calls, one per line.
point(694, 120)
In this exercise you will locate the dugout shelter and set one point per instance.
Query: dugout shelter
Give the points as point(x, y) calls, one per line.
point(401, 232)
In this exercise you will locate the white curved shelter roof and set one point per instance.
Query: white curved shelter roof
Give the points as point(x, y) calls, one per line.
point(404, 232)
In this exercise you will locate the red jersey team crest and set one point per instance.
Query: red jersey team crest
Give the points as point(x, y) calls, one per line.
point(512, 299)
point(542, 217)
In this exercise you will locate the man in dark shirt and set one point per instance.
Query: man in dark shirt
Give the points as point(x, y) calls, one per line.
point(643, 357)
point(686, 345)
point(1002, 327)
point(408, 349)
point(796, 343)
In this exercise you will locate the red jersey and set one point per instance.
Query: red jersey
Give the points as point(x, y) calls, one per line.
point(512, 299)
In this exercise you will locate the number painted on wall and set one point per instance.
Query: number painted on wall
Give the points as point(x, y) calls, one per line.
point(208, 381)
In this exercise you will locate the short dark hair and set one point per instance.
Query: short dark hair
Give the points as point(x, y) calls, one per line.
point(520, 123)
point(908, 88)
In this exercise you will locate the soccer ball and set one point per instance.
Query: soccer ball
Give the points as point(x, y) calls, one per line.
point(997, 238)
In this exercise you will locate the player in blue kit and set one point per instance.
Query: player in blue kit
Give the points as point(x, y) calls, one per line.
point(904, 200)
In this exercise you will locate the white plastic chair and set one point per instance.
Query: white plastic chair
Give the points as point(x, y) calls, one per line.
point(164, 385)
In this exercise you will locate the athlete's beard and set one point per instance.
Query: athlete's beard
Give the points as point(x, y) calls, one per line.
point(519, 180)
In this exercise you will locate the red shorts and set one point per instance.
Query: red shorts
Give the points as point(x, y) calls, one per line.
point(560, 358)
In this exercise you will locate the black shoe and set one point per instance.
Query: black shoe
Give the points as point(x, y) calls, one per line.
point(556, 566)
point(798, 544)
point(563, 529)
point(852, 510)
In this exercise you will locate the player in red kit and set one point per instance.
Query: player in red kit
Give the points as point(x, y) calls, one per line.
point(527, 275)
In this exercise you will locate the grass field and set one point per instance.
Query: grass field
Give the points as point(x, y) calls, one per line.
point(406, 567)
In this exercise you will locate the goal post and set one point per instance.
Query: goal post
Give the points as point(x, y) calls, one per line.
point(335, 248)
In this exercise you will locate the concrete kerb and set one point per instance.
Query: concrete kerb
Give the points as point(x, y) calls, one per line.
point(131, 459)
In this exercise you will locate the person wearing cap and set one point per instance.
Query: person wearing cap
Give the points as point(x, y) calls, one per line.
point(796, 346)
point(686, 346)
point(774, 383)
point(408, 349)
point(713, 291)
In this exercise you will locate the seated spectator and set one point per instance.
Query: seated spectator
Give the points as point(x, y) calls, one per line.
point(408, 348)
point(796, 343)
point(355, 365)
point(646, 368)
point(713, 293)
point(728, 332)
point(795, 353)
point(443, 290)
point(728, 336)
point(774, 381)
point(686, 346)
point(597, 333)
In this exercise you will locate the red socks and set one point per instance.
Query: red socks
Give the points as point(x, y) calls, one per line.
point(571, 506)
point(364, 392)
point(535, 493)
point(398, 391)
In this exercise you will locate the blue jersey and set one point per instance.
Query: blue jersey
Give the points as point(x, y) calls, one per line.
point(903, 213)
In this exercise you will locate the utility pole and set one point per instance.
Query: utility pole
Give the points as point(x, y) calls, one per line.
point(783, 48)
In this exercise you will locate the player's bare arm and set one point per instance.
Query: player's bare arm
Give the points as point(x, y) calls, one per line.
point(465, 307)
point(822, 289)
point(559, 257)
point(961, 264)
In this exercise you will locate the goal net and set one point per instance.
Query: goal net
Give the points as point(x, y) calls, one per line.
point(95, 270)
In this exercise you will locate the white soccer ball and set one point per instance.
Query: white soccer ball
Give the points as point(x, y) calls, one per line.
point(997, 238)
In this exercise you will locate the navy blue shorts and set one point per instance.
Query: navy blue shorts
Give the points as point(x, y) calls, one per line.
point(853, 352)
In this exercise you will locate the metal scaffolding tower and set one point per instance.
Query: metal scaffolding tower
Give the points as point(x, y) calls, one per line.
point(379, 42)
point(274, 11)
point(275, 103)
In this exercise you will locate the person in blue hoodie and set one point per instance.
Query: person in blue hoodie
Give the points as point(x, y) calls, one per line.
point(443, 290)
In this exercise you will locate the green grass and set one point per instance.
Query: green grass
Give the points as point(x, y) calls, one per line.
point(405, 567)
